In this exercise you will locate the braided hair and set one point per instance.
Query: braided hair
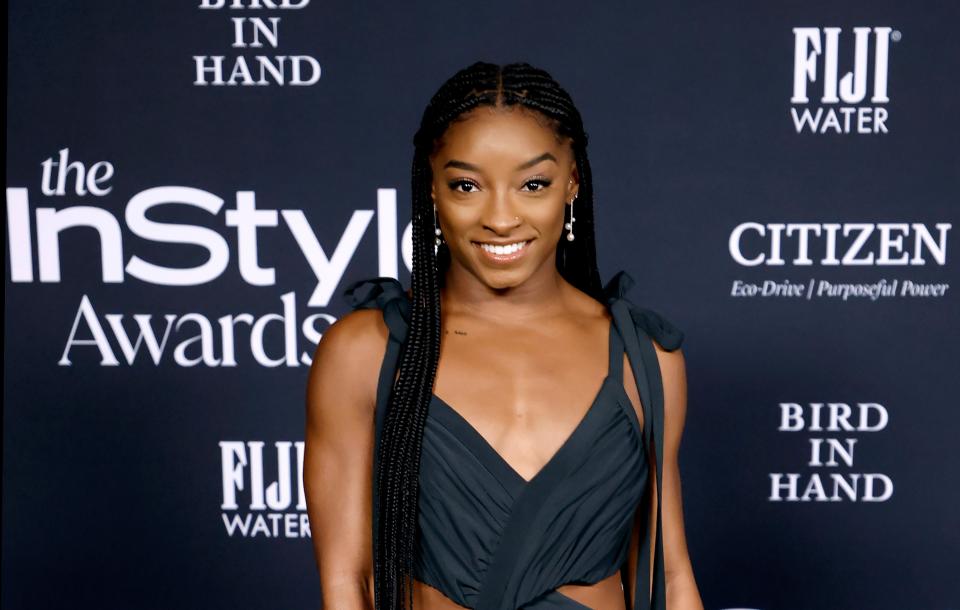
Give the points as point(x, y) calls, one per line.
point(398, 461)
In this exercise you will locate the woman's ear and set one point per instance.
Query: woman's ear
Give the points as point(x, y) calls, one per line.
point(573, 186)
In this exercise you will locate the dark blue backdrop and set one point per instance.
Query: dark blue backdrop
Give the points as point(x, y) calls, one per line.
point(134, 479)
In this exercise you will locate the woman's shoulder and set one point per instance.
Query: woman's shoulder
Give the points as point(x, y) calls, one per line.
point(656, 325)
point(352, 343)
point(383, 293)
point(360, 335)
point(346, 363)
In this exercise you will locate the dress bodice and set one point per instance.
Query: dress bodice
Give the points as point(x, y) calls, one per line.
point(488, 538)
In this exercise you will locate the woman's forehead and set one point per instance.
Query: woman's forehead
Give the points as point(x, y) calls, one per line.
point(510, 130)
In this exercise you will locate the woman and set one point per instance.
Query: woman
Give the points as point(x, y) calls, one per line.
point(458, 450)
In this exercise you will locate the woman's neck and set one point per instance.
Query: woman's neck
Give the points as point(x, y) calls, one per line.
point(540, 294)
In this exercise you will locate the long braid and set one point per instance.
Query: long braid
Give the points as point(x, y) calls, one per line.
point(398, 463)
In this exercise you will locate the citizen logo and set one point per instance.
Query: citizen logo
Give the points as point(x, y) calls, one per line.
point(839, 244)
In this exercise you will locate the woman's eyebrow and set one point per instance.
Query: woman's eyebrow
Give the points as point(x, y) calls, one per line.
point(544, 157)
point(470, 167)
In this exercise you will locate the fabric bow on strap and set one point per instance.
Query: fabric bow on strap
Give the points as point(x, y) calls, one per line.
point(666, 334)
point(386, 293)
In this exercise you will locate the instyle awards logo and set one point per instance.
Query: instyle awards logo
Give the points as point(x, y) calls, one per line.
point(825, 100)
point(210, 335)
point(253, 507)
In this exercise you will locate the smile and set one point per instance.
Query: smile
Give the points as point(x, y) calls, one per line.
point(503, 253)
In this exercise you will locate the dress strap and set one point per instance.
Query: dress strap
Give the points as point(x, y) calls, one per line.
point(638, 326)
point(616, 353)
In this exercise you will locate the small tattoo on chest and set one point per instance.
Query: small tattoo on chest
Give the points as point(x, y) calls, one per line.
point(457, 332)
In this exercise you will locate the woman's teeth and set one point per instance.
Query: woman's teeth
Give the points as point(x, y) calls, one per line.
point(504, 250)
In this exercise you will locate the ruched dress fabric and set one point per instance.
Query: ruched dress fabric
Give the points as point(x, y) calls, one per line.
point(489, 539)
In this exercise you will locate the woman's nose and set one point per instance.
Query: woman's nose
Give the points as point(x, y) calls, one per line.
point(500, 213)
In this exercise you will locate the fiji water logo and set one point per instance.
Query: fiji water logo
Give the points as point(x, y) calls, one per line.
point(854, 102)
point(263, 493)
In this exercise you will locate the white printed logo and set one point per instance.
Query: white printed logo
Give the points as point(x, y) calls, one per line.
point(260, 34)
point(231, 236)
point(842, 106)
point(252, 508)
point(804, 245)
point(832, 427)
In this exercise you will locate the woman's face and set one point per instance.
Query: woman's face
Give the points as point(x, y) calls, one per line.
point(502, 177)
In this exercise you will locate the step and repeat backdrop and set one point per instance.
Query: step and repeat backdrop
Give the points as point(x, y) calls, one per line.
point(190, 186)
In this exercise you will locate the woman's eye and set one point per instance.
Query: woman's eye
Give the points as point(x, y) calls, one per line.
point(537, 184)
point(463, 186)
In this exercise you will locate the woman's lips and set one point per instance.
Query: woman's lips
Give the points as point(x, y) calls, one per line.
point(507, 253)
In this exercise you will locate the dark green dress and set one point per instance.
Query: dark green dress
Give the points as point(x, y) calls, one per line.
point(491, 540)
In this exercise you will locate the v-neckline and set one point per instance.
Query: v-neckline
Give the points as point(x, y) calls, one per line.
point(483, 444)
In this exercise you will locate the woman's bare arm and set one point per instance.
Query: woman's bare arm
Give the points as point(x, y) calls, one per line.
point(682, 592)
point(338, 456)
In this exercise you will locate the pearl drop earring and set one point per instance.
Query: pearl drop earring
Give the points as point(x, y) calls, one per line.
point(569, 225)
point(436, 227)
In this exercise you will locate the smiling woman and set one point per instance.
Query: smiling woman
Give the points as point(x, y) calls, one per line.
point(500, 436)
point(503, 180)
